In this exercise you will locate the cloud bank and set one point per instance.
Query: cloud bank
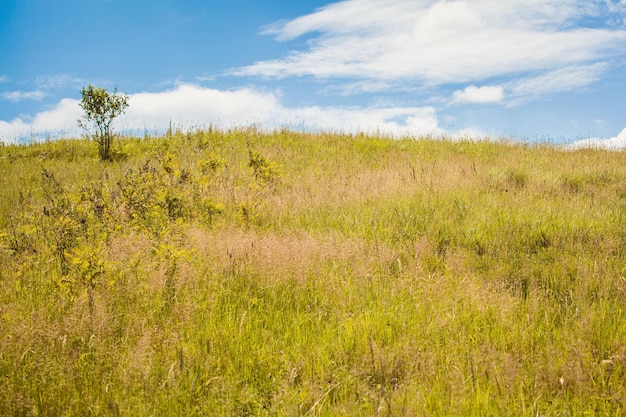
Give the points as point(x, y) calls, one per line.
point(58, 121)
point(615, 143)
point(190, 106)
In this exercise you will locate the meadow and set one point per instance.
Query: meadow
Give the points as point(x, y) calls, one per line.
point(247, 273)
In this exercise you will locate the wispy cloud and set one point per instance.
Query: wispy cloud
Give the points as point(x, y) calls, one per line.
point(49, 82)
point(436, 42)
point(617, 7)
point(4, 79)
point(559, 80)
point(16, 96)
point(192, 106)
point(204, 78)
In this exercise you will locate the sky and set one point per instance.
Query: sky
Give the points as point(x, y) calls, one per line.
point(525, 70)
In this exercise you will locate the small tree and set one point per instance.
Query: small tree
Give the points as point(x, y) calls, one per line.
point(100, 109)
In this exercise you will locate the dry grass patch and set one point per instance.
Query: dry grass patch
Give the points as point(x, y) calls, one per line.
point(284, 256)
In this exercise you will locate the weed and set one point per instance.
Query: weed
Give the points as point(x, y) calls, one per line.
point(264, 171)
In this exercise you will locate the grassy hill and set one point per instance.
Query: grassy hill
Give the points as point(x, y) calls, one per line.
point(244, 273)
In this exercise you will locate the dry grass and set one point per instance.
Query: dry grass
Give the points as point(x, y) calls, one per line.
point(340, 275)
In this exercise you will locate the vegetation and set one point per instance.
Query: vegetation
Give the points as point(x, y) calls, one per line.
point(101, 108)
point(243, 273)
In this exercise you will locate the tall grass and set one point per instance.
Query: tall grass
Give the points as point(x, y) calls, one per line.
point(247, 273)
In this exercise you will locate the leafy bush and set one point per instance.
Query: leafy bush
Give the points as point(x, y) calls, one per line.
point(101, 108)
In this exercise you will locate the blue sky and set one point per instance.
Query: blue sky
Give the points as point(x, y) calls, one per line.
point(530, 70)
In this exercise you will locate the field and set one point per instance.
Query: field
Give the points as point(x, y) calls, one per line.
point(247, 273)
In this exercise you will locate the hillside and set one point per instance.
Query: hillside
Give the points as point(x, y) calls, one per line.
point(248, 273)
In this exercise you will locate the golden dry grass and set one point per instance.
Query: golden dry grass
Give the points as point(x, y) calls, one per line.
point(340, 275)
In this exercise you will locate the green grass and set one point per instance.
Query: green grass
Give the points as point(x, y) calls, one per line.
point(242, 273)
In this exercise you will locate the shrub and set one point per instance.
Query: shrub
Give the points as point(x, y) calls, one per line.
point(101, 108)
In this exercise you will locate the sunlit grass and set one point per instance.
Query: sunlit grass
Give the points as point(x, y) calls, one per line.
point(248, 273)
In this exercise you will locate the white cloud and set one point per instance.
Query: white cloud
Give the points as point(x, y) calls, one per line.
point(474, 94)
point(58, 121)
point(15, 96)
point(4, 79)
point(188, 103)
point(434, 42)
point(396, 121)
point(615, 143)
point(193, 106)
